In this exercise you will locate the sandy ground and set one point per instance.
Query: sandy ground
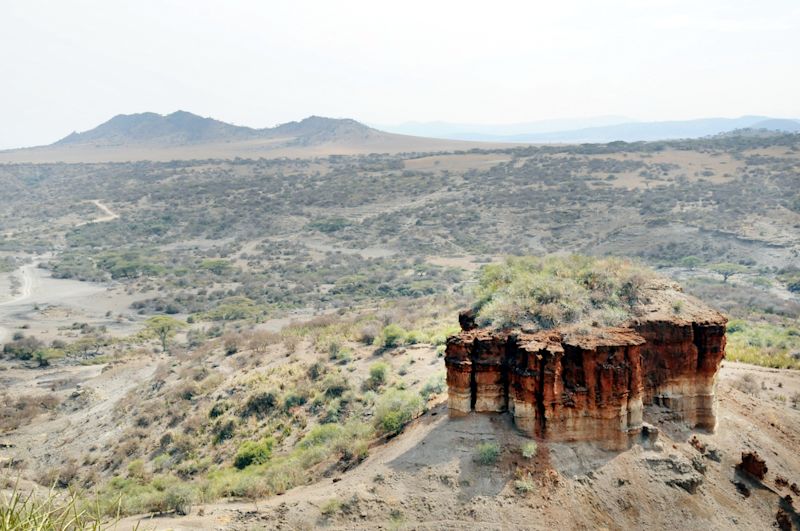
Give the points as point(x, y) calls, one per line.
point(11, 303)
point(48, 306)
point(85, 419)
point(269, 148)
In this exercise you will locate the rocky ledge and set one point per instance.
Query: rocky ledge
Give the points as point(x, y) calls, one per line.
point(591, 383)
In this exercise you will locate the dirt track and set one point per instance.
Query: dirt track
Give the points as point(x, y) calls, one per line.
point(29, 282)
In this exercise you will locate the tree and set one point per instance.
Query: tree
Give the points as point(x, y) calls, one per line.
point(164, 327)
point(216, 266)
point(727, 269)
point(690, 262)
point(86, 346)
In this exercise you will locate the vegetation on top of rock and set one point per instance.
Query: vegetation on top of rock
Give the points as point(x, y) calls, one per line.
point(551, 291)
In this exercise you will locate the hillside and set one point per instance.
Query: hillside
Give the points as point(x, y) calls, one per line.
point(186, 136)
point(178, 128)
point(429, 478)
point(305, 304)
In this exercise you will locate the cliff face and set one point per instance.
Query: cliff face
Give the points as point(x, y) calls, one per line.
point(564, 386)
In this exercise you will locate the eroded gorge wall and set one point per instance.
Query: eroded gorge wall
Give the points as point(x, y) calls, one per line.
point(590, 387)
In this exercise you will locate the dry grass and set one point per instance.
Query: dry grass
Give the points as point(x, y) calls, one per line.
point(16, 412)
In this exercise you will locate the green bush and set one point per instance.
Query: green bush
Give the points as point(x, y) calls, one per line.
point(487, 453)
point(292, 400)
point(349, 441)
point(395, 409)
point(436, 384)
point(391, 336)
point(334, 385)
point(555, 290)
point(179, 498)
point(253, 453)
point(529, 450)
point(764, 343)
point(331, 507)
point(524, 486)
point(377, 375)
point(321, 434)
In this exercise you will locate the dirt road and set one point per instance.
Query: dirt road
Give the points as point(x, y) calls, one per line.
point(30, 281)
point(109, 214)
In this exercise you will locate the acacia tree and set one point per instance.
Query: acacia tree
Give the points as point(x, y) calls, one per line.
point(164, 328)
point(727, 270)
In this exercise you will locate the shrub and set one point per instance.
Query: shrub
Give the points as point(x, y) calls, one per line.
point(350, 440)
point(436, 384)
point(260, 404)
point(331, 507)
point(315, 370)
point(223, 430)
point(395, 409)
point(368, 333)
point(253, 453)
point(487, 453)
point(747, 384)
point(218, 409)
point(334, 385)
point(415, 336)
point(292, 400)
point(231, 345)
point(391, 336)
point(179, 499)
point(764, 343)
point(524, 486)
point(529, 450)
point(554, 290)
point(24, 348)
point(377, 375)
point(795, 399)
point(321, 434)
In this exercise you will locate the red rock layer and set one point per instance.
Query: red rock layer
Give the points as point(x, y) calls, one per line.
point(588, 387)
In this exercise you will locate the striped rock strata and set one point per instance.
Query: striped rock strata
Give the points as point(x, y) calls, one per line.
point(564, 386)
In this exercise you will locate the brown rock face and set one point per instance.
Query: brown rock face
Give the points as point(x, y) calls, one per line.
point(568, 387)
point(753, 465)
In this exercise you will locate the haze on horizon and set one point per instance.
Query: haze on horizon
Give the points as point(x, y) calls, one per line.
point(71, 66)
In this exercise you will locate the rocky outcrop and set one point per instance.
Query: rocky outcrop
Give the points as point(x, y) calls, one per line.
point(576, 385)
point(753, 464)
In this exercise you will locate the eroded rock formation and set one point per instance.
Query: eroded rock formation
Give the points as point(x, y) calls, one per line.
point(572, 385)
point(753, 464)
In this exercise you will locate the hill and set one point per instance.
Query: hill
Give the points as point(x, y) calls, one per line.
point(178, 128)
point(186, 136)
point(183, 128)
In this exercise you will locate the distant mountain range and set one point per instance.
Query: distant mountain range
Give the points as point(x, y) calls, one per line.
point(183, 135)
point(603, 129)
point(186, 136)
point(184, 128)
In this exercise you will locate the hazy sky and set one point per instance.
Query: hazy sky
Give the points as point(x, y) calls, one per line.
point(69, 65)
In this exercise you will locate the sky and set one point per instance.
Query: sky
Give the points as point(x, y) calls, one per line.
point(70, 65)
